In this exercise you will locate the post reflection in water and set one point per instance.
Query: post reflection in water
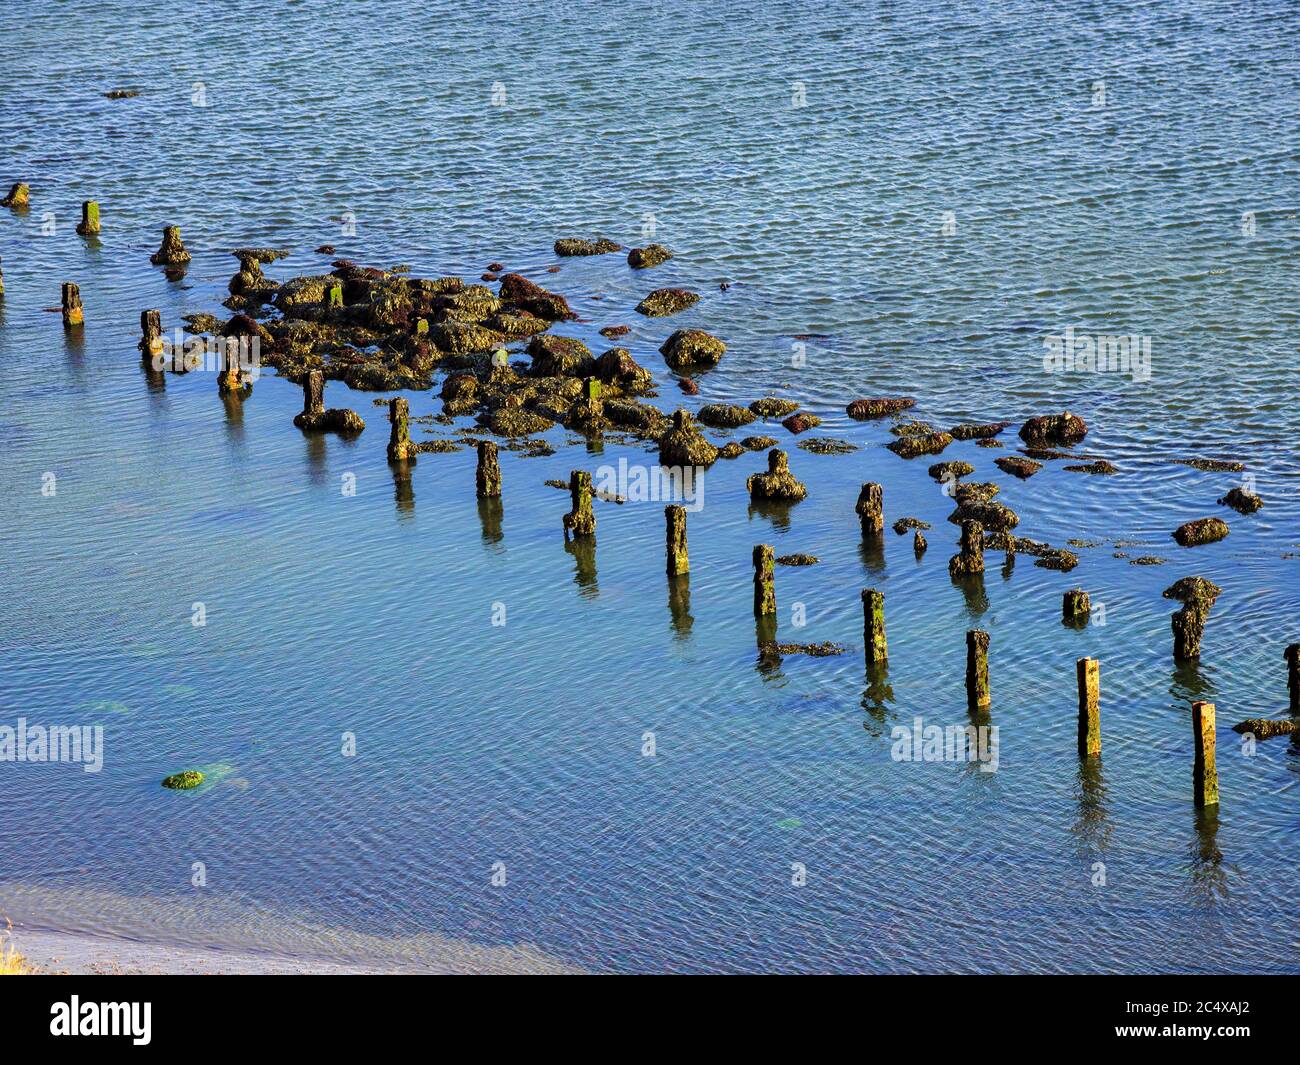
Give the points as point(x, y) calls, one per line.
point(490, 513)
point(403, 489)
point(679, 605)
point(583, 550)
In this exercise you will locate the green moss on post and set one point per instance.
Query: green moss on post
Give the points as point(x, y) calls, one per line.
point(487, 476)
point(400, 448)
point(675, 520)
point(581, 520)
point(977, 670)
point(1292, 656)
point(1205, 774)
point(230, 377)
point(971, 559)
point(873, 625)
point(1188, 627)
point(73, 314)
point(18, 196)
point(151, 343)
point(871, 509)
point(334, 295)
point(1075, 606)
point(764, 580)
point(172, 251)
point(89, 224)
point(1089, 673)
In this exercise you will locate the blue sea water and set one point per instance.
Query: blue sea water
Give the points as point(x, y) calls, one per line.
point(925, 192)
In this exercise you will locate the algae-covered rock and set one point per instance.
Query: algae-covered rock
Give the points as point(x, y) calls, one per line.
point(511, 419)
point(912, 427)
point(977, 430)
point(903, 525)
point(724, 415)
point(1100, 467)
point(619, 370)
point(950, 470)
point(570, 246)
point(1049, 429)
point(560, 357)
point(692, 349)
point(909, 447)
point(797, 560)
point(1241, 501)
point(333, 420)
point(172, 252)
point(772, 407)
point(778, 482)
point(975, 492)
point(1193, 590)
point(801, 422)
point(1018, 467)
point(665, 301)
point(827, 445)
point(730, 450)
point(1264, 728)
point(635, 415)
point(650, 255)
point(1201, 531)
point(529, 296)
point(516, 325)
point(758, 443)
point(683, 445)
point(991, 515)
point(1213, 465)
point(864, 409)
point(613, 332)
point(464, 338)
point(184, 780)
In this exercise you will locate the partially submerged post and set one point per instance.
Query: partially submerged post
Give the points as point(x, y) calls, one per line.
point(2, 282)
point(487, 476)
point(73, 315)
point(977, 670)
point(918, 544)
point(971, 559)
point(400, 448)
point(172, 252)
point(1075, 606)
point(675, 520)
point(151, 343)
point(18, 195)
point(764, 580)
point(1205, 775)
point(230, 374)
point(871, 509)
point(89, 224)
point(1197, 596)
point(581, 520)
point(1292, 656)
point(873, 625)
point(313, 396)
point(1089, 672)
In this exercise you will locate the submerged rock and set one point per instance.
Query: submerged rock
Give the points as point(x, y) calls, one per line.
point(688, 386)
point(950, 470)
point(772, 407)
point(758, 443)
point(692, 349)
point(611, 332)
point(864, 409)
point(909, 447)
point(665, 301)
point(1017, 466)
point(650, 255)
point(977, 430)
point(560, 357)
point(797, 560)
point(815, 650)
point(1263, 728)
point(1213, 465)
point(683, 444)
point(570, 246)
point(1201, 531)
point(778, 482)
point(724, 415)
point(801, 422)
point(1241, 501)
point(902, 525)
point(122, 94)
point(827, 445)
point(1049, 429)
point(184, 780)
point(1101, 466)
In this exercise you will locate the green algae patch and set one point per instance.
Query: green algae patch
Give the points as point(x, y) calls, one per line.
point(184, 780)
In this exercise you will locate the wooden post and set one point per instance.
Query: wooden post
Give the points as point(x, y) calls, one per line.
point(873, 625)
point(581, 520)
point(18, 195)
point(89, 224)
point(678, 560)
point(871, 509)
point(172, 252)
point(73, 314)
point(230, 376)
point(487, 477)
point(977, 670)
point(1292, 656)
point(151, 343)
point(1089, 671)
point(1205, 775)
point(400, 448)
point(971, 559)
point(1188, 626)
point(764, 580)
point(313, 395)
point(1075, 605)
point(918, 544)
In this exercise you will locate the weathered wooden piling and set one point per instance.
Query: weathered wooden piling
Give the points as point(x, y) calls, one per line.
point(764, 579)
point(977, 670)
point(400, 448)
point(2, 281)
point(89, 224)
point(1205, 774)
point(971, 558)
point(1188, 626)
point(1075, 605)
point(487, 475)
point(873, 625)
point(172, 252)
point(18, 196)
point(871, 509)
point(1292, 656)
point(580, 522)
point(230, 374)
point(313, 395)
point(151, 342)
point(73, 314)
point(1089, 673)
point(918, 543)
point(675, 521)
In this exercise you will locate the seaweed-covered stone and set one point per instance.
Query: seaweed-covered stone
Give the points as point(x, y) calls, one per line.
point(1188, 624)
point(1017, 466)
point(911, 427)
point(951, 470)
point(902, 525)
point(724, 415)
point(1193, 590)
point(977, 430)
point(612, 332)
point(827, 445)
point(511, 419)
point(1201, 531)
point(474, 303)
point(730, 450)
point(172, 252)
point(797, 559)
point(19, 196)
point(778, 482)
point(991, 515)
point(688, 386)
point(864, 409)
point(570, 246)
point(665, 301)
point(184, 780)
point(617, 368)
point(635, 415)
point(1264, 728)
point(333, 420)
point(975, 492)
point(771, 649)
point(1049, 429)
point(1057, 558)
point(683, 444)
point(692, 349)
point(527, 295)
point(1213, 465)
point(1100, 467)
point(773, 407)
point(910, 447)
point(650, 255)
point(560, 357)
point(1241, 501)
point(801, 422)
point(758, 443)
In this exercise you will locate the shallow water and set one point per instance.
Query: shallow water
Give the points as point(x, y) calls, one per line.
point(522, 743)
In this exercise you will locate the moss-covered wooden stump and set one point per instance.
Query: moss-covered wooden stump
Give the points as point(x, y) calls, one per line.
point(580, 522)
point(764, 580)
point(73, 314)
point(400, 448)
point(1205, 774)
point(1089, 676)
point(675, 522)
point(1292, 657)
point(970, 560)
point(977, 670)
point(487, 474)
point(871, 509)
point(171, 252)
point(873, 625)
point(89, 224)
